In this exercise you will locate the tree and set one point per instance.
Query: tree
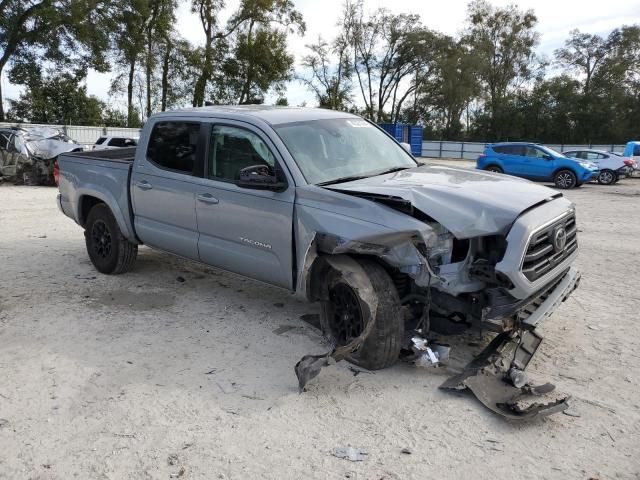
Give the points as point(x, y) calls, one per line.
point(503, 41)
point(447, 89)
point(330, 84)
point(143, 29)
point(65, 32)
point(57, 99)
point(158, 27)
point(387, 52)
point(583, 53)
point(255, 38)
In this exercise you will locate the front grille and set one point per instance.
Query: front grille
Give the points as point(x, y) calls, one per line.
point(543, 254)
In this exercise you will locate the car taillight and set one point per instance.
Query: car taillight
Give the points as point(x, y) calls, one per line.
point(482, 157)
point(56, 173)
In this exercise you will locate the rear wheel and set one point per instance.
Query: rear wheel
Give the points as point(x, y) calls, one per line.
point(109, 251)
point(343, 317)
point(607, 177)
point(494, 168)
point(565, 179)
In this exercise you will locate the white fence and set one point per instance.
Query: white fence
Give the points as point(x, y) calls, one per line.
point(471, 150)
point(82, 134)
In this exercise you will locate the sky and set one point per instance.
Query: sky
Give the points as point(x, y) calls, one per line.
point(556, 18)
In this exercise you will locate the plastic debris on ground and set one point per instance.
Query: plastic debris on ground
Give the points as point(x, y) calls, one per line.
point(350, 453)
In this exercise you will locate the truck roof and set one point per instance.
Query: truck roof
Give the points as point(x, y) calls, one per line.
point(271, 114)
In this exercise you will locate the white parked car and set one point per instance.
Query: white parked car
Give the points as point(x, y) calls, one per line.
point(612, 166)
point(106, 143)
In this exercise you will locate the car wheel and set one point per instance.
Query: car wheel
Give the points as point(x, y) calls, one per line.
point(343, 317)
point(494, 168)
point(109, 251)
point(607, 177)
point(565, 179)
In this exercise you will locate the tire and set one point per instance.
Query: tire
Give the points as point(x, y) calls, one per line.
point(607, 177)
point(493, 168)
point(382, 346)
point(565, 179)
point(109, 251)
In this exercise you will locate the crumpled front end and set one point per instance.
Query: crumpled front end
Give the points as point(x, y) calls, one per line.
point(33, 159)
point(506, 281)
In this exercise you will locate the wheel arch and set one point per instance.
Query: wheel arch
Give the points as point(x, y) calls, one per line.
point(559, 169)
point(89, 198)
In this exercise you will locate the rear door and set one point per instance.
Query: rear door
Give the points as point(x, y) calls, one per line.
point(163, 187)
point(514, 160)
point(242, 230)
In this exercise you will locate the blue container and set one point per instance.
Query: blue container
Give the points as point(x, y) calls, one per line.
point(415, 140)
point(403, 133)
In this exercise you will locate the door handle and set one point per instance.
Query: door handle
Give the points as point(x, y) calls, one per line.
point(144, 185)
point(207, 198)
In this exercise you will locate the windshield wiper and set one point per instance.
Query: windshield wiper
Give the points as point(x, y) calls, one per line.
point(391, 170)
point(343, 179)
point(360, 177)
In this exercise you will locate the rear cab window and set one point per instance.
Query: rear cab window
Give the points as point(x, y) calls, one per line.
point(101, 140)
point(122, 142)
point(173, 145)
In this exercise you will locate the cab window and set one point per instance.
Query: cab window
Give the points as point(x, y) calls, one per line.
point(233, 149)
point(173, 145)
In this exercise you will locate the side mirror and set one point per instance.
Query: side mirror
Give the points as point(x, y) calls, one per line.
point(260, 177)
point(406, 146)
point(547, 157)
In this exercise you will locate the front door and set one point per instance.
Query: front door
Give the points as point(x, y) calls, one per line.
point(539, 164)
point(243, 230)
point(163, 188)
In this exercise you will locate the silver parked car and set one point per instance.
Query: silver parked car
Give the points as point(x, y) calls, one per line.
point(28, 155)
point(612, 166)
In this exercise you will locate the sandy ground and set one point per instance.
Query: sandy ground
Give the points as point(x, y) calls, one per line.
point(146, 376)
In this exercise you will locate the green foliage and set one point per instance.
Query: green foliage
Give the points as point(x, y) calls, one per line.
point(503, 41)
point(59, 99)
point(331, 84)
point(68, 33)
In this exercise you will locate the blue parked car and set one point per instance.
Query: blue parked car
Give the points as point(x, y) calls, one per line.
point(536, 162)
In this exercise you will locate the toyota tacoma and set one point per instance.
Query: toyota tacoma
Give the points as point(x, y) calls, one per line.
point(329, 206)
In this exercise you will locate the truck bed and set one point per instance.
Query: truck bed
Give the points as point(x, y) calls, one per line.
point(113, 155)
point(102, 175)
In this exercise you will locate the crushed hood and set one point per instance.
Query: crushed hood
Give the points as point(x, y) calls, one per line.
point(469, 203)
point(46, 142)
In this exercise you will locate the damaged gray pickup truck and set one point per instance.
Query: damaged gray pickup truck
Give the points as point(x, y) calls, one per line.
point(329, 206)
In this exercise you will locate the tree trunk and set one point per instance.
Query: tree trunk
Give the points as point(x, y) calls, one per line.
point(246, 88)
point(1, 97)
point(165, 76)
point(132, 68)
point(148, 74)
point(201, 84)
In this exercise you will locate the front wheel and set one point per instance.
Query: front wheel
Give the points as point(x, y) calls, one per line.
point(607, 177)
point(494, 169)
point(343, 316)
point(109, 250)
point(565, 179)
